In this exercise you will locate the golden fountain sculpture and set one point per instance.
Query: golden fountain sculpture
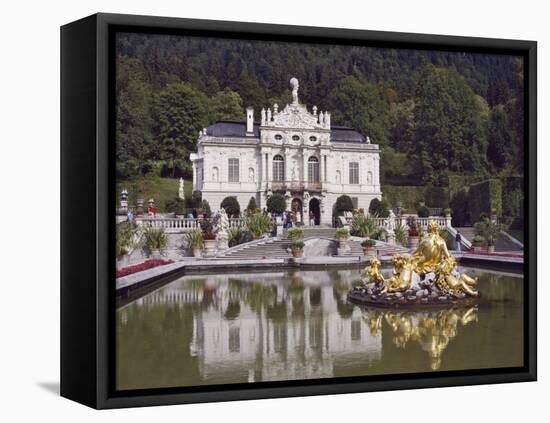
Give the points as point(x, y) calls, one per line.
point(429, 275)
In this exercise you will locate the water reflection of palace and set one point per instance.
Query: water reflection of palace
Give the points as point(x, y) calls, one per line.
point(230, 328)
point(297, 330)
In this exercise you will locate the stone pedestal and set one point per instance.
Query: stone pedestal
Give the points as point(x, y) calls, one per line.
point(222, 241)
point(344, 248)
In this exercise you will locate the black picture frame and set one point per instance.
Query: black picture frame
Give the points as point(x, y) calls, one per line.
point(87, 235)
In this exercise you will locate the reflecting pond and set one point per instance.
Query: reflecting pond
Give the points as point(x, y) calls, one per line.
point(296, 324)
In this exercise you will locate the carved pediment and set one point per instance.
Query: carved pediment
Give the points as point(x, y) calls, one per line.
point(295, 116)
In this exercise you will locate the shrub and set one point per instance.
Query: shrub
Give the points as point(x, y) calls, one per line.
point(155, 238)
point(175, 205)
point(446, 212)
point(423, 211)
point(125, 233)
point(478, 239)
point(363, 226)
point(276, 203)
point(368, 243)
point(295, 233)
point(205, 206)
point(258, 224)
point(194, 238)
point(489, 230)
point(342, 233)
point(252, 204)
point(231, 206)
point(379, 208)
point(343, 204)
point(401, 234)
point(484, 197)
point(238, 235)
point(513, 196)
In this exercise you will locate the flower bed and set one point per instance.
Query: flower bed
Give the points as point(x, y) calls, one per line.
point(149, 264)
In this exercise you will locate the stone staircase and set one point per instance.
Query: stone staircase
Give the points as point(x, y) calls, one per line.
point(270, 248)
point(276, 248)
point(503, 244)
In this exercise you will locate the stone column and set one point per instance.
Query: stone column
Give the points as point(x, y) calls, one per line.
point(304, 167)
point(322, 168)
point(194, 176)
point(288, 158)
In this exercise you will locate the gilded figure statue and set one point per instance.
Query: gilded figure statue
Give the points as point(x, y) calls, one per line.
point(430, 258)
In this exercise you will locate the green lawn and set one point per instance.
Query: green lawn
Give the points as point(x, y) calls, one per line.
point(160, 189)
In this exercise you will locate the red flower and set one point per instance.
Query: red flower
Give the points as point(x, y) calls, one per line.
point(148, 264)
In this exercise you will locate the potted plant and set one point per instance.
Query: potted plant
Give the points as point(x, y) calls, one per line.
point(297, 248)
point(195, 242)
point(209, 238)
point(342, 234)
point(369, 247)
point(296, 245)
point(155, 240)
point(490, 231)
point(125, 234)
point(414, 235)
point(477, 242)
point(258, 224)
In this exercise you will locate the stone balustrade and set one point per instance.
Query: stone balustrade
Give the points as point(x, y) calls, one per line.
point(171, 224)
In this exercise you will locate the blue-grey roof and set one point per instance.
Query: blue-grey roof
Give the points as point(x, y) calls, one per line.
point(231, 128)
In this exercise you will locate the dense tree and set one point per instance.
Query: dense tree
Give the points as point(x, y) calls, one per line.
point(231, 206)
point(431, 111)
point(180, 112)
point(501, 147)
point(227, 105)
point(363, 106)
point(450, 131)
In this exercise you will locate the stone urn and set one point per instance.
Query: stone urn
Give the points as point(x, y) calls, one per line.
point(490, 249)
point(197, 252)
point(210, 247)
point(297, 252)
point(413, 242)
point(369, 251)
point(155, 254)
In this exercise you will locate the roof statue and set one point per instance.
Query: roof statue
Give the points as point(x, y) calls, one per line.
point(294, 85)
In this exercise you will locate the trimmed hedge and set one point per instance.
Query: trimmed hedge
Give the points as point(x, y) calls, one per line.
point(513, 196)
point(485, 196)
point(411, 196)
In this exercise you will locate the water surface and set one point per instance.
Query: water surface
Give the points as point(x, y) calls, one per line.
point(247, 327)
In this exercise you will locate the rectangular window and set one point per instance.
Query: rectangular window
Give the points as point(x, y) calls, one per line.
point(233, 170)
point(354, 173)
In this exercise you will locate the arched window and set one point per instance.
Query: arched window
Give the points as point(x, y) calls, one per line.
point(313, 169)
point(278, 168)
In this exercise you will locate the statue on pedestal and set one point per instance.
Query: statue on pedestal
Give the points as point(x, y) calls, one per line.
point(222, 229)
point(294, 85)
point(181, 192)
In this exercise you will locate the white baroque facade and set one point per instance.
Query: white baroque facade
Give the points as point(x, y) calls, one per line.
point(294, 152)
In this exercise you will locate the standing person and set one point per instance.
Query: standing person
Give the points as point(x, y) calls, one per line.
point(311, 219)
point(130, 216)
point(458, 240)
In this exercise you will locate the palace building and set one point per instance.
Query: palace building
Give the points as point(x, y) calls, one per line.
point(292, 151)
